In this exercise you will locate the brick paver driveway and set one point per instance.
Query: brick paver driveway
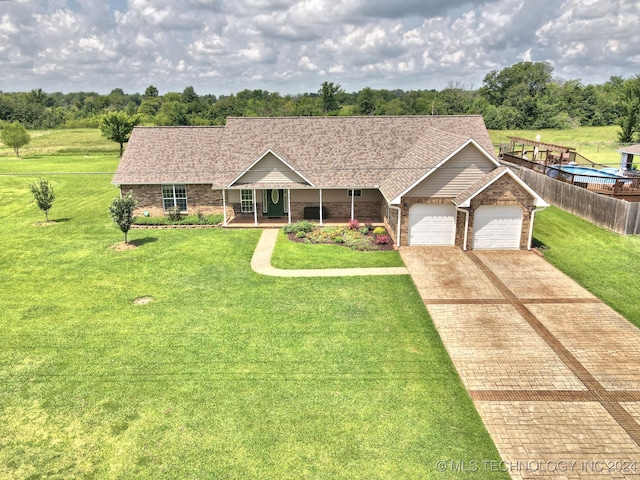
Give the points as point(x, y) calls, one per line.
point(553, 372)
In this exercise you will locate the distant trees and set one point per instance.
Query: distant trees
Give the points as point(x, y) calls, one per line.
point(117, 126)
point(15, 136)
point(121, 213)
point(630, 120)
point(523, 95)
point(43, 195)
point(328, 97)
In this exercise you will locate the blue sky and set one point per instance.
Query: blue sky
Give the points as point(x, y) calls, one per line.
point(292, 46)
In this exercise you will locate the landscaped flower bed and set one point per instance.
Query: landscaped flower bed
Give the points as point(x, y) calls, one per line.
point(354, 235)
point(175, 219)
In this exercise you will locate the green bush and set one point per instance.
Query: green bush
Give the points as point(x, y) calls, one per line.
point(379, 231)
point(174, 215)
point(301, 234)
point(198, 219)
point(364, 230)
point(302, 226)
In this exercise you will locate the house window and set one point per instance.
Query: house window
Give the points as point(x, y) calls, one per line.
point(354, 193)
point(246, 201)
point(174, 196)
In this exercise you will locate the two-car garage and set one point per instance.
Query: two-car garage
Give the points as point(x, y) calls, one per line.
point(495, 226)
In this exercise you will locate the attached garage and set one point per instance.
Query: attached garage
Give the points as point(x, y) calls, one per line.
point(432, 225)
point(497, 227)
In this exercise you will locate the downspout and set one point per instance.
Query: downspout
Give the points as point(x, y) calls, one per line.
point(466, 227)
point(289, 204)
point(399, 210)
point(533, 214)
point(321, 207)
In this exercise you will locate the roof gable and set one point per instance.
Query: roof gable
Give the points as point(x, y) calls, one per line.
point(270, 169)
point(464, 199)
point(433, 168)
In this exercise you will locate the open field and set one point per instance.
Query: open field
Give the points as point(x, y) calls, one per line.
point(225, 373)
point(598, 144)
point(78, 141)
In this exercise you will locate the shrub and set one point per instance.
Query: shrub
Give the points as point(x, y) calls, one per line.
point(354, 224)
point(301, 234)
point(364, 230)
point(174, 214)
point(379, 231)
point(383, 240)
point(302, 226)
point(338, 240)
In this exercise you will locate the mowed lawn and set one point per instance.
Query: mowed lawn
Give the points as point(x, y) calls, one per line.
point(225, 374)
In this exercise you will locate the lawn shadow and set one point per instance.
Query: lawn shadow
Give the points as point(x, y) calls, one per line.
point(62, 220)
point(138, 242)
point(535, 243)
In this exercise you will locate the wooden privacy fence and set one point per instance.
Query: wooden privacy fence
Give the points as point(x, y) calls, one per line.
point(611, 213)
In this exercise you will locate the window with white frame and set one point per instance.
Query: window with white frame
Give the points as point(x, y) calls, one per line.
point(246, 201)
point(174, 196)
point(354, 193)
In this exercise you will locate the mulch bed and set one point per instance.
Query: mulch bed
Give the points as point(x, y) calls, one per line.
point(374, 247)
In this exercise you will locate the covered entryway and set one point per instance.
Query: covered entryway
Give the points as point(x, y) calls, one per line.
point(276, 202)
point(497, 227)
point(432, 225)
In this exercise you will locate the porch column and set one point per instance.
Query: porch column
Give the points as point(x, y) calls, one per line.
point(224, 206)
point(321, 207)
point(255, 207)
point(353, 196)
point(289, 203)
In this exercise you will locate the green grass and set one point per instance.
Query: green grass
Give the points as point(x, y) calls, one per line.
point(598, 144)
point(294, 255)
point(78, 141)
point(227, 373)
point(605, 263)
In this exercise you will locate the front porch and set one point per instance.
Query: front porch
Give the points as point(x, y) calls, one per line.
point(248, 221)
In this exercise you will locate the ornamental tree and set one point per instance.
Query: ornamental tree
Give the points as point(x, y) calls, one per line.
point(43, 194)
point(121, 212)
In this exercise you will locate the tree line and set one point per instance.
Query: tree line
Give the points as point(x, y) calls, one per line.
point(522, 96)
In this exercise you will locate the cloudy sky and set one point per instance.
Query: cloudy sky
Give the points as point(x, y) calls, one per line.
point(292, 46)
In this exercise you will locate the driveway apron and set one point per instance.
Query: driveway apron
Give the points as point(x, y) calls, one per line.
point(553, 372)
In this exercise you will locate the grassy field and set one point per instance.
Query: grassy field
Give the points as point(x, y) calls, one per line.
point(226, 373)
point(598, 144)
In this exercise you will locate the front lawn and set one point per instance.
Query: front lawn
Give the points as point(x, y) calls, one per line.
point(605, 263)
point(224, 373)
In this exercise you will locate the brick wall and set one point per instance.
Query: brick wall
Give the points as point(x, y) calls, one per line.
point(505, 191)
point(199, 197)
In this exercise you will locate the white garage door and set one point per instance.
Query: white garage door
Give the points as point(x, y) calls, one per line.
point(497, 227)
point(432, 225)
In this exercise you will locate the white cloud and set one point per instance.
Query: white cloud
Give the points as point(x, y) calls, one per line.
point(293, 46)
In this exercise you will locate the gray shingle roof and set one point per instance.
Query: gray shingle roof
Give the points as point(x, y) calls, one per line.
point(332, 152)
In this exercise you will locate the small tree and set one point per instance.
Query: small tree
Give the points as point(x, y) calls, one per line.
point(15, 136)
point(117, 126)
point(121, 212)
point(43, 195)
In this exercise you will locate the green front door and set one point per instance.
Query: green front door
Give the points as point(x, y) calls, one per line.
point(275, 202)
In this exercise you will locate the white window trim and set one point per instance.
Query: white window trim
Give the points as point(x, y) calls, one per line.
point(246, 202)
point(174, 197)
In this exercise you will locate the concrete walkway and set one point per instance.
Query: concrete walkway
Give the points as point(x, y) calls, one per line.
point(261, 263)
point(553, 372)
